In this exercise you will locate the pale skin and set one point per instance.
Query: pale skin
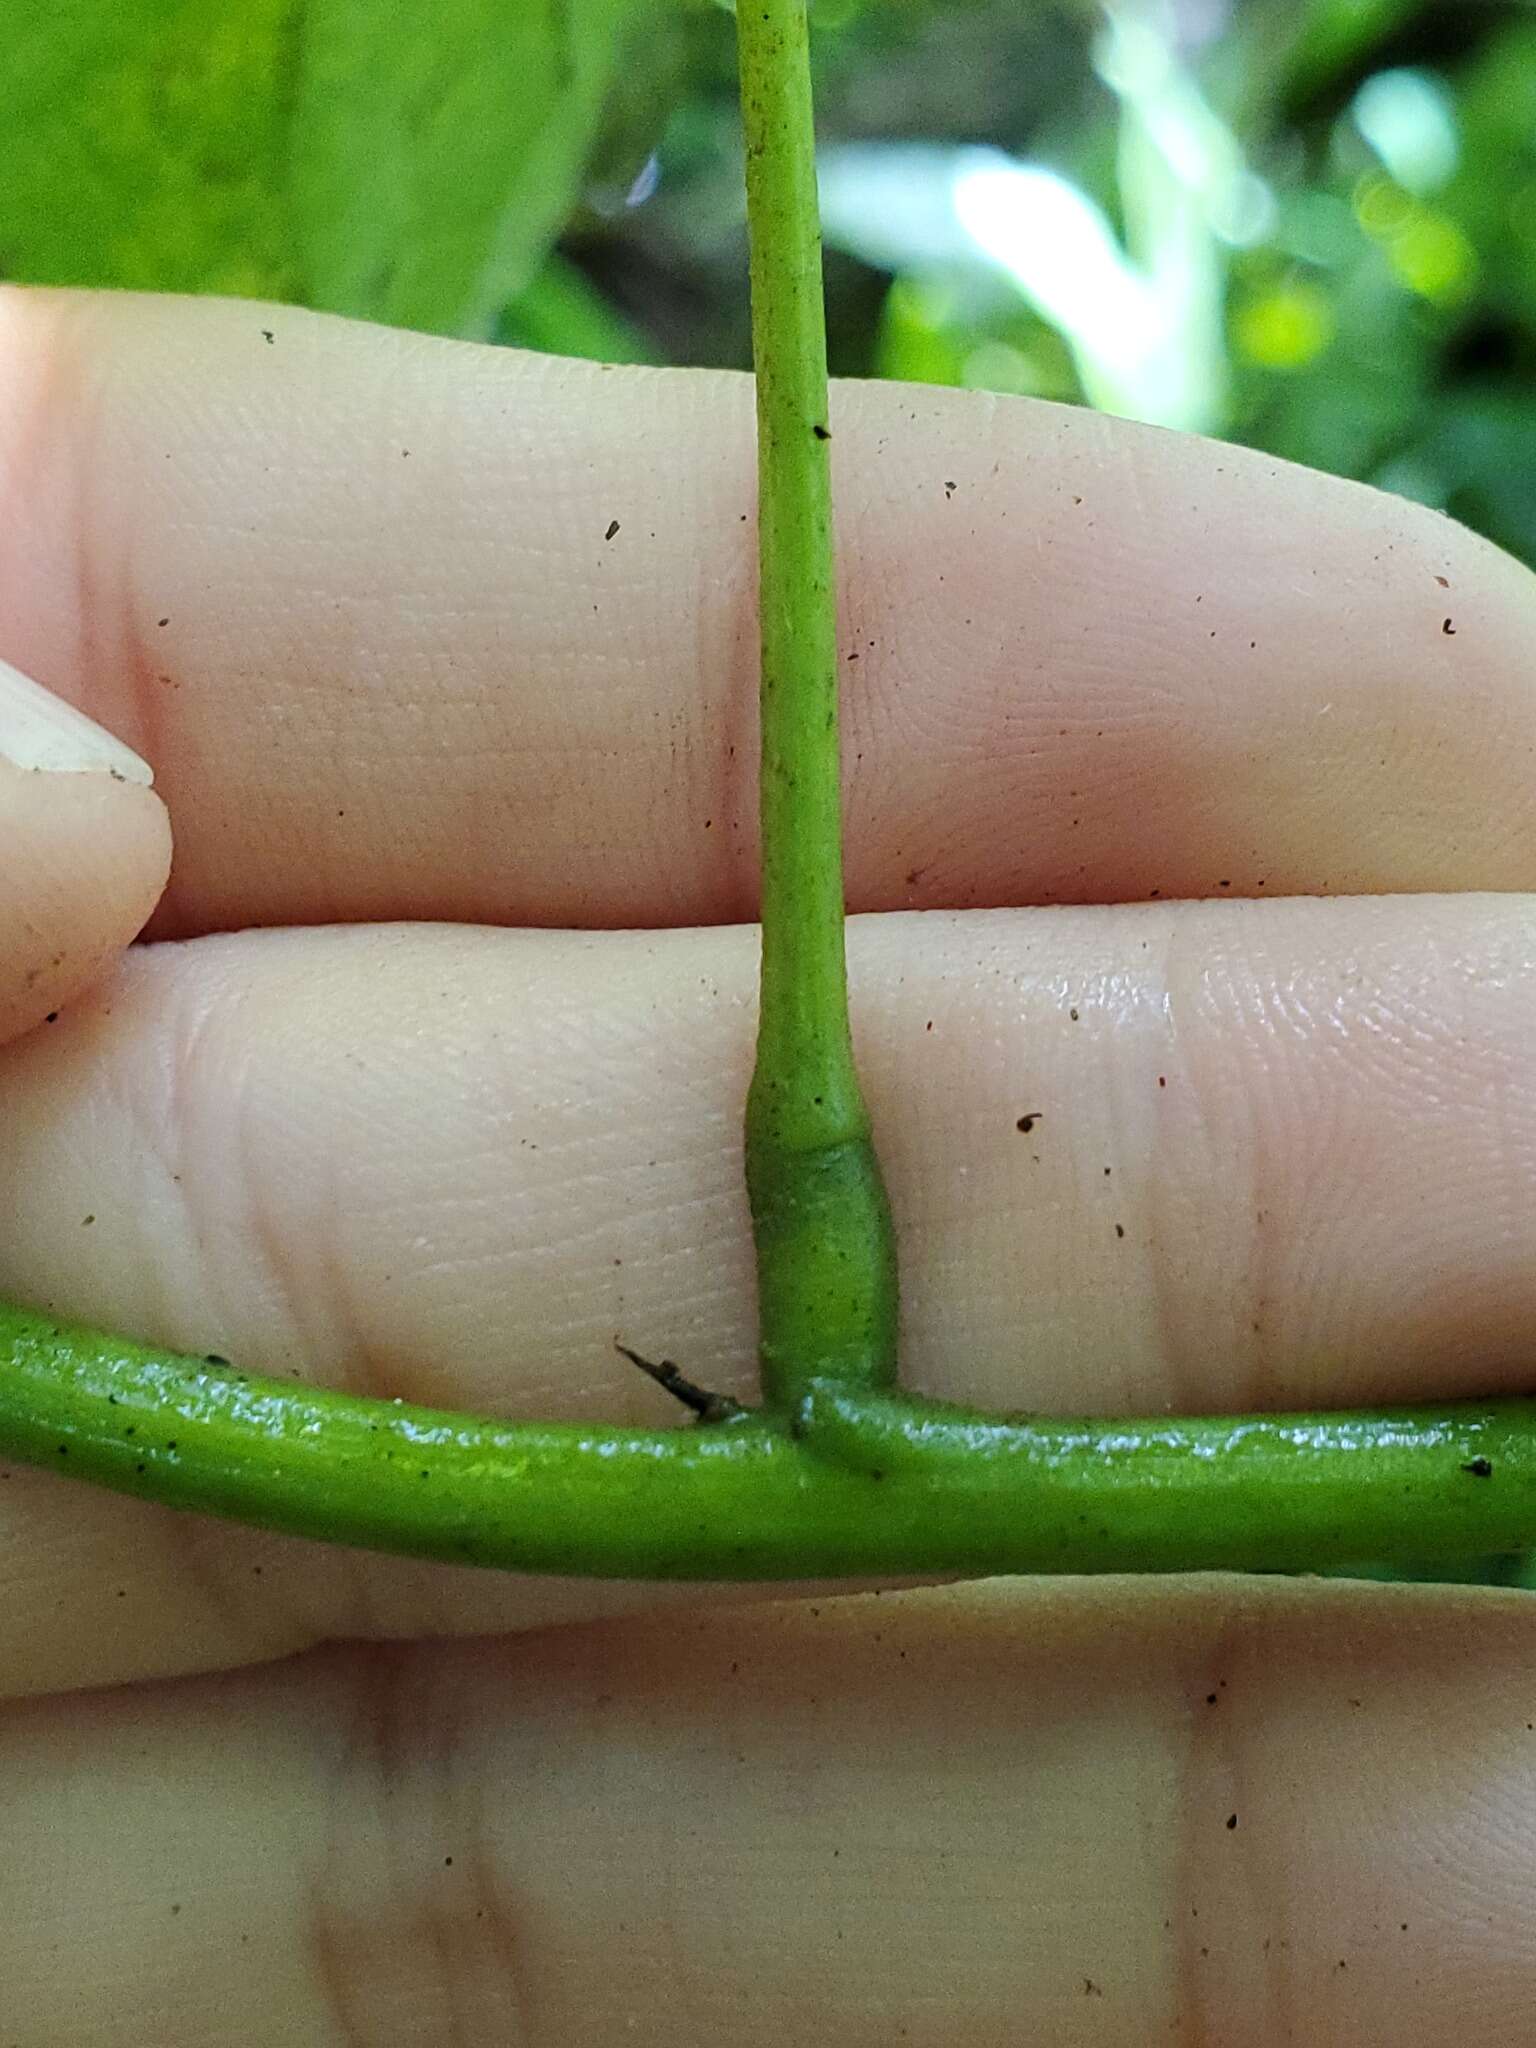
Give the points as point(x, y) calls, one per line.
point(252, 1788)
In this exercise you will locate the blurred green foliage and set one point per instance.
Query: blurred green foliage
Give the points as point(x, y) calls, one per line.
point(1305, 224)
point(1321, 218)
point(410, 165)
point(1309, 225)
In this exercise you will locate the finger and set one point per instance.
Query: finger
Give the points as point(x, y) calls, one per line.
point(1011, 1812)
point(411, 629)
point(1199, 1157)
point(84, 850)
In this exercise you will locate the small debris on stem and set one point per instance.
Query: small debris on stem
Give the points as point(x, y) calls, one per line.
point(707, 1405)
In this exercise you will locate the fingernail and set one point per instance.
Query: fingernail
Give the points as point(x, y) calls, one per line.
point(39, 730)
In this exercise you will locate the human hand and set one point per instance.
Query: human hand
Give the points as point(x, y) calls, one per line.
point(423, 640)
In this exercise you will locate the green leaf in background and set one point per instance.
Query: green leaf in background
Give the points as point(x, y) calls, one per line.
point(1498, 118)
point(438, 150)
point(410, 165)
point(1330, 35)
point(560, 313)
point(145, 145)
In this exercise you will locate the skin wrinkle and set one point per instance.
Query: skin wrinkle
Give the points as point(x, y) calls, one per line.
point(382, 1744)
point(453, 1798)
point(1227, 1969)
point(372, 1717)
point(405, 1782)
point(1099, 1023)
point(269, 1261)
point(516, 2025)
point(241, 1603)
point(169, 1123)
point(1184, 1149)
point(114, 1576)
point(350, 1326)
point(317, 1287)
point(1263, 1328)
point(1258, 1327)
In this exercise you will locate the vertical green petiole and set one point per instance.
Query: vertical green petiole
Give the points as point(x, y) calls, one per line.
point(826, 1262)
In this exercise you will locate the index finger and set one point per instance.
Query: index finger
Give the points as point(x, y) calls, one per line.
point(415, 629)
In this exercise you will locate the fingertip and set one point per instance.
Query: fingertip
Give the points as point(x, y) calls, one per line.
point(84, 856)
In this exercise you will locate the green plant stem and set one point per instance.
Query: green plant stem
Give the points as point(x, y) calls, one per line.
point(1286, 1492)
point(827, 1291)
point(880, 1486)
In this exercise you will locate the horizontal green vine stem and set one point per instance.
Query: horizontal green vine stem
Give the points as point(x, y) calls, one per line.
point(877, 1486)
point(1284, 1492)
